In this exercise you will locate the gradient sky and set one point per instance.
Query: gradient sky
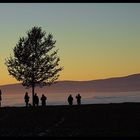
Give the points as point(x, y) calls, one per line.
point(95, 40)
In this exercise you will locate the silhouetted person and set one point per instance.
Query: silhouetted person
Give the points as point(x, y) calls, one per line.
point(43, 100)
point(78, 97)
point(26, 98)
point(70, 100)
point(0, 97)
point(36, 100)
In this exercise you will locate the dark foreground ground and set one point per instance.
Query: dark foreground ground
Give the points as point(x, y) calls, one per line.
point(86, 120)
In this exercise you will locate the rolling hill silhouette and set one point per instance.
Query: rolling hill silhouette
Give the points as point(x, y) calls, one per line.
point(117, 84)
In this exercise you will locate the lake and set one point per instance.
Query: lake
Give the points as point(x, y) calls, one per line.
point(87, 98)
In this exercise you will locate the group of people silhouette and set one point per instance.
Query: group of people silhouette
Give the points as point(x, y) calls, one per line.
point(70, 99)
point(36, 99)
point(44, 98)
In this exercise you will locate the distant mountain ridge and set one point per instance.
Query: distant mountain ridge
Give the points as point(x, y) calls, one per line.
point(115, 84)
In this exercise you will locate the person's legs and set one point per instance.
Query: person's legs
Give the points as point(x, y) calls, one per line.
point(26, 104)
point(44, 104)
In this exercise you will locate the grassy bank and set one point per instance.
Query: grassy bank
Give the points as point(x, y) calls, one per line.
point(86, 120)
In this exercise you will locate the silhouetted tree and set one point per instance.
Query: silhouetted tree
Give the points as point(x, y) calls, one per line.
point(33, 62)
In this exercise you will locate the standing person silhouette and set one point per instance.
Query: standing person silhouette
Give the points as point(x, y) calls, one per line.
point(43, 100)
point(36, 100)
point(26, 98)
point(70, 100)
point(0, 97)
point(78, 97)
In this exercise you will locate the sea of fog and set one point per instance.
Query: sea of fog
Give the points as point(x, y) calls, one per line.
point(87, 98)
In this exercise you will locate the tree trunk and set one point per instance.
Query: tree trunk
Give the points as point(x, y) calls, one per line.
point(33, 91)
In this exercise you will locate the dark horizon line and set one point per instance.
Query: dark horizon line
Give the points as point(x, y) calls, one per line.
point(84, 80)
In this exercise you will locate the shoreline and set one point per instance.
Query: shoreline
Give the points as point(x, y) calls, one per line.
point(63, 105)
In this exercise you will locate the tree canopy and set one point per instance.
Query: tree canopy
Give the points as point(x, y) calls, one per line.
point(34, 63)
